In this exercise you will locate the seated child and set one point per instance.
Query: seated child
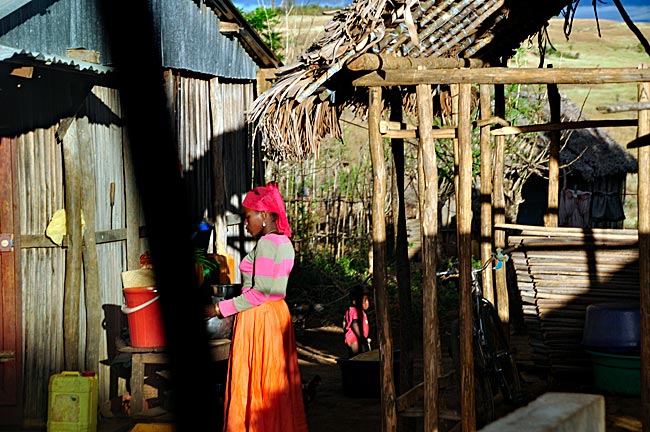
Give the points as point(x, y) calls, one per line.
point(357, 329)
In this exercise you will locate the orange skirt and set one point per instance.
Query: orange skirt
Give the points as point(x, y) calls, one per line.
point(263, 387)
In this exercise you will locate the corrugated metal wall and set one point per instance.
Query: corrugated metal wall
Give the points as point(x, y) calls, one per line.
point(211, 117)
point(237, 163)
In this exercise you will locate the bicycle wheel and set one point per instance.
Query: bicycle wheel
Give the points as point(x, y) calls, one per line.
point(483, 390)
point(499, 357)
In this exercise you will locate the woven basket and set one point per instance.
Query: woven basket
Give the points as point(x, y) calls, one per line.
point(138, 278)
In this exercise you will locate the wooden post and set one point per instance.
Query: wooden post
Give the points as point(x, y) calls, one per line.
point(499, 208)
point(132, 209)
point(14, 382)
point(216, 113)
point(453, 93)
point(388, 407)
point(644, 253)
point(90, 263)
point(551, 217)
point(464, 218)
point(72, 284)
point(170, 98)
point(486, 191)
point(428, 170)
point(401, 251)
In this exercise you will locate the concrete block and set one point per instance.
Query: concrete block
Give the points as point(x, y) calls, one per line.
point(555, 412)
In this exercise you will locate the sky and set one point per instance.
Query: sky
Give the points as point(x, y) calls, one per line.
point(638, 10)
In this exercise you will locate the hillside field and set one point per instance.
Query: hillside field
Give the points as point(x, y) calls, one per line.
point(616, 46)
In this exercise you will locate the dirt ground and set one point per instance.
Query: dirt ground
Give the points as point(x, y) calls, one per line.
point(331, 410)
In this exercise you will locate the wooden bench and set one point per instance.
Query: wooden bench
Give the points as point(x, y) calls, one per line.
point(140, 357)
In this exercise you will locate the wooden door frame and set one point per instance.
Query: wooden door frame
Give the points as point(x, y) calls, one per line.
point(11, 369)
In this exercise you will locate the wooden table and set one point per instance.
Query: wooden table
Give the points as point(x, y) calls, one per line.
point(219, 350)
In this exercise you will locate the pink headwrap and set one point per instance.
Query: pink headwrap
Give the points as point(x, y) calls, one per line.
point(268, 198)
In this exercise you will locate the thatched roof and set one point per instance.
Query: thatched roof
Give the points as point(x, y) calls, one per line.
point(593, 153)
point(309, 94)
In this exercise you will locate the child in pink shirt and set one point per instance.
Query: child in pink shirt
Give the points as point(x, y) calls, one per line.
point(357, 329)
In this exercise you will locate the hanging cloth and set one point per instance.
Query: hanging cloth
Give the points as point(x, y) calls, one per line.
point(607, 207)
point(574, 208)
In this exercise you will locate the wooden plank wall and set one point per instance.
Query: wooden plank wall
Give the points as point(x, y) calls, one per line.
point(40, 183)
point(108, 147)
point(40, 174)
point(41, 187)
point(559, 272)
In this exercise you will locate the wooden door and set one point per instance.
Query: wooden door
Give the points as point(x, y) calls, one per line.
point(11, 403)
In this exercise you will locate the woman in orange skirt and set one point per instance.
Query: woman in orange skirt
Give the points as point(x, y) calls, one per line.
point(263, 386)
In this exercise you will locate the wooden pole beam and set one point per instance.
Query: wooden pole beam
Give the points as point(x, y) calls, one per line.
point(499, 209)
point(73, 261)
point(503, 75)
point(485, 98)
point(429, 228)
point(623, 107)
point(373, 62)
point(450, 132)
point(386, 125)
point(92, 289)
point(388, 404)
point(548, 127)
point(643, 190)
point(464, 218)
point(552, 199)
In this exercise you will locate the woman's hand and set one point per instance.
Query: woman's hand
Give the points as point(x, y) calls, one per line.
point(212, 310)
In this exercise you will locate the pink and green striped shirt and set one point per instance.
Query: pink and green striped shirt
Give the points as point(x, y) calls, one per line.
point(273, 257)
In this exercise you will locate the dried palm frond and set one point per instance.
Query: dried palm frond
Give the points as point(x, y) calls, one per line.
point(305, 102)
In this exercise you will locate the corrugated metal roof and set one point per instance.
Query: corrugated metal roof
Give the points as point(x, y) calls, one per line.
point(9, 6)
point(190, 39)
point(188, 33)
point(28, 57)
point(55, 26)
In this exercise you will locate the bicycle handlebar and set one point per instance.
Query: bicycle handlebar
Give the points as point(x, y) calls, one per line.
point(500, 255)
point(452, 272)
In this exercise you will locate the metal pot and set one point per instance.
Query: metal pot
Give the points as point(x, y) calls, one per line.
point(226, 291)
point(220, 328)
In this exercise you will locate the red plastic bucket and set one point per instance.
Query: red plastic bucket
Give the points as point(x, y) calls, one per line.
point(145, 317)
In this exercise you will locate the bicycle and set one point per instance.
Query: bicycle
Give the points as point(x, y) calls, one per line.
point(495, 368)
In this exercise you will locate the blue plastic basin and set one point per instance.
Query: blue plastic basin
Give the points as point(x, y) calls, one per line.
point(612, 327)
